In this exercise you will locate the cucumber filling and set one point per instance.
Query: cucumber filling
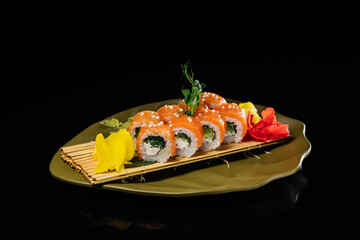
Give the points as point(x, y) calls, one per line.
point(182, 141)
point(209, 133)
point(230, 129)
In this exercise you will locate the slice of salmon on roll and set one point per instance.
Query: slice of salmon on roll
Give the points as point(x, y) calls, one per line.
point(169, 111)
point(185, 107)
point(214, 126)
point(211, 99)
point(142, 119)
point(236, 126)
point(156, 142)
point(188, 133)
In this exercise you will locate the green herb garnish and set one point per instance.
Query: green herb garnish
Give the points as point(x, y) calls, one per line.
point(111, 123)
point(191, 98)
point(135, 162)
point(114, 125)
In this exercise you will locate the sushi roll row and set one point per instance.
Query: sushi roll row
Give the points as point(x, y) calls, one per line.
point(169, 132)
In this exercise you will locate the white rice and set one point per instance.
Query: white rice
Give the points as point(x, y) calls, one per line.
point(162, 156)
point(210, 145)
point(189, 150)
point(239, 130)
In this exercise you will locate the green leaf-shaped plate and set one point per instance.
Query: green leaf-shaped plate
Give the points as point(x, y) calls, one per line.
point(208, 177)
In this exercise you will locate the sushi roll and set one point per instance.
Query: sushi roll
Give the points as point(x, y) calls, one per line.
point(156, 142)
point(211, 99)
point(142, 119)
point(188, 133)
point(169, 111)
point(214, 126)
point(236, 125)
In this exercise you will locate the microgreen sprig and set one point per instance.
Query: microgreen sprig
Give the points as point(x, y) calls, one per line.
point(191, 98)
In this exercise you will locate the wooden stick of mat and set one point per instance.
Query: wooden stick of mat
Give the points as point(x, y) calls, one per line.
point(80, 157)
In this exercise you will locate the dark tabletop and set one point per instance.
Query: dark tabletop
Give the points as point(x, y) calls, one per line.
point(310, 79)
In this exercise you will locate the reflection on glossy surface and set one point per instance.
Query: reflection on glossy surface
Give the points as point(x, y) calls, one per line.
point(136, 214)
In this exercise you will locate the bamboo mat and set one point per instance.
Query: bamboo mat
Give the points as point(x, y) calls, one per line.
point(80, 157)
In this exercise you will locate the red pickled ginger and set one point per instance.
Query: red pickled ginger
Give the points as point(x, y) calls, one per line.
point(267, 128)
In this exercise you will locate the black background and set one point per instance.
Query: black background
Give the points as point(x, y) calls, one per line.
point(71, 78)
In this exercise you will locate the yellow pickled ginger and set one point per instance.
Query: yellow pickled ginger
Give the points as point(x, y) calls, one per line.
point(113, 152)
point(249, 106)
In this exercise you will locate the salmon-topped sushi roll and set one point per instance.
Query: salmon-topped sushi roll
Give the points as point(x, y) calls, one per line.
point(142, 119)
point(214, 126)
point(236, 126)
point(211, 99)
point(156, 142)
point(169, 111)
point(188, 134)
